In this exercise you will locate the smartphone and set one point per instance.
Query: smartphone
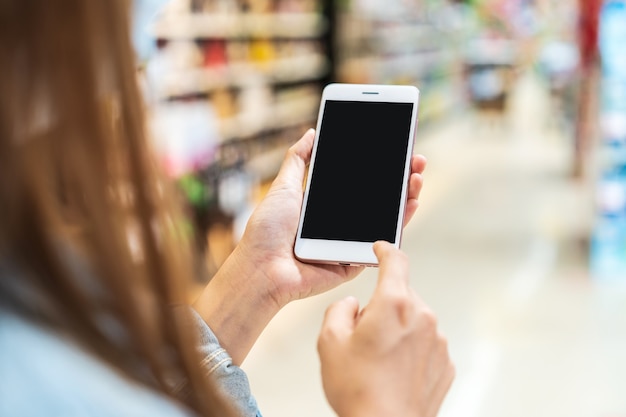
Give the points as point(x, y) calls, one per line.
point(357, 183)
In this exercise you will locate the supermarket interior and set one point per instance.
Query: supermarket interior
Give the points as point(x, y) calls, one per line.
point(519, 244)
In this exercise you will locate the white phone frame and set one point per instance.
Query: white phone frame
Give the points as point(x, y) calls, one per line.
point(349, 252)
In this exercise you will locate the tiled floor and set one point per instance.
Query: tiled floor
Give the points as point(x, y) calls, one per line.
point(498, 250)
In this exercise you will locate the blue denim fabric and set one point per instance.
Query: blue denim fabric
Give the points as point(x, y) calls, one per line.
point(44, 374)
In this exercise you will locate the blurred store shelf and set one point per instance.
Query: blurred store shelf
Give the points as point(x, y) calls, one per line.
point(280, 115)
point(239, 25)
point(204, 80)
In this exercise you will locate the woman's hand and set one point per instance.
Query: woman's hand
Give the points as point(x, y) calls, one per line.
point(271, 231)
point(388, 359)
point(262, 274)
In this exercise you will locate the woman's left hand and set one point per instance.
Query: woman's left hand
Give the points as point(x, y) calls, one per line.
point(271, 231)
point(262, 274)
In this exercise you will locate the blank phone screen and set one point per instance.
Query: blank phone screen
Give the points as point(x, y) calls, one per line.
point(356, 183)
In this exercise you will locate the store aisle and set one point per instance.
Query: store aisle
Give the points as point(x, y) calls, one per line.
point(498, 251)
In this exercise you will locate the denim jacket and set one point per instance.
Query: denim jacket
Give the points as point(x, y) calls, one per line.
point(43, 374)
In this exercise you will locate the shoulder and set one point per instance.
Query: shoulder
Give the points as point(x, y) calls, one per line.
point(44, 374)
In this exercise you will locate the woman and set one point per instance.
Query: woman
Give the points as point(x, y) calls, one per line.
point(92, 261)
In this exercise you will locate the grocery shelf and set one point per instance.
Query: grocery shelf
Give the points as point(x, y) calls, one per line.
point(240, 25)
point(283, 115)
point(201, 80)
point(403, 48)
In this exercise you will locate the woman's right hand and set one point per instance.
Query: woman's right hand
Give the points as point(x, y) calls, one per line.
point(388, 359)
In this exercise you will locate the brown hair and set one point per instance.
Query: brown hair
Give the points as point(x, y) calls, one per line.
point(78, 185)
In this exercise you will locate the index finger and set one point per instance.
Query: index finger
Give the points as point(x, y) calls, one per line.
point(393, 271)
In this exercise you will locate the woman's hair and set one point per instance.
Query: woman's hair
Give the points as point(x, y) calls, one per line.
point(90, 241)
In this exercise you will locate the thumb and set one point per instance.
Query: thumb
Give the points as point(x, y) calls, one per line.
point(296, 160)
point(341, 317)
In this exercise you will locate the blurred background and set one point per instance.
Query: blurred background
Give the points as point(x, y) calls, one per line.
point(519, 245)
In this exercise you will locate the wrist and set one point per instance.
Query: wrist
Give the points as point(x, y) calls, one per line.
point(237, 304)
